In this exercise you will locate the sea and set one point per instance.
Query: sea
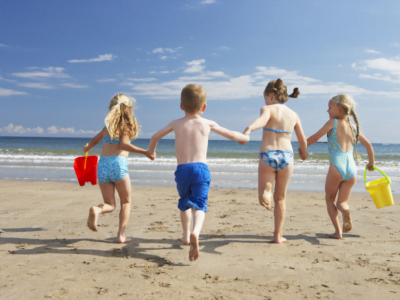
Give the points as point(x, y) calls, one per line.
point(231, 165)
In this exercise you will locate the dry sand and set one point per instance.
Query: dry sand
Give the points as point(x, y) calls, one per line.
point(46, 250)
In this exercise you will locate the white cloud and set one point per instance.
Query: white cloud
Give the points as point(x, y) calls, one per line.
point(106, 80)
point(2, 45)
point(223, 48)
point(158, 50)
point(220, 86)
point(390, 66)
point(74, 85)
point(208, 2)
point(163, 57)
point(142, 79)
point(395, 44)
point(372, 51)
point(161, 72)
point(70, 130)
point(50, 72)
point(8, 92)
point(195, 66)
point(36, 85)
point(20, 129)
point(103, 57)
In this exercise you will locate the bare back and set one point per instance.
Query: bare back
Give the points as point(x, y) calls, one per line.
point(111, 149)
point(283, 118)
point(345, 135)
point(191, 139)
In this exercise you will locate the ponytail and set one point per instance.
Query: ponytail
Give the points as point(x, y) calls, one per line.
point(279, 89)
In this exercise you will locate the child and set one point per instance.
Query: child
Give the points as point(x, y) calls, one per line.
point(342, 140)
point(121, 128)
point(192, 176)
point(276, 152)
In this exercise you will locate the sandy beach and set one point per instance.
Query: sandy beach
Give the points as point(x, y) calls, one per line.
point(46, 250)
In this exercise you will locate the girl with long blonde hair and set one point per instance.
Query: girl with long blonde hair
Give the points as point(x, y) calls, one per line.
point(121, 128)
point(342, 140)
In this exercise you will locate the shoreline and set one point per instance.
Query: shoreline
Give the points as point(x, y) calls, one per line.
point(44, 239)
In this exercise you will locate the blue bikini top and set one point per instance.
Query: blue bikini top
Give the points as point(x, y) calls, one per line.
point(277, 130)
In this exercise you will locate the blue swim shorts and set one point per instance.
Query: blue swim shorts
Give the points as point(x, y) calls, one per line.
point(112, 168)
point(193, 183)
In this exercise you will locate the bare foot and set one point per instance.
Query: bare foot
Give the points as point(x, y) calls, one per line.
point(194, 248)
point(123, 239)
point(184, 241)
point(279, 240)
point(347, 224)
point(337, 236)
point(92, 219)
point(266, 197)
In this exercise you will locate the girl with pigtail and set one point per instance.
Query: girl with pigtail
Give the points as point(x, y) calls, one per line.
point(342, 141)
point(276, 152)
point(121, 128)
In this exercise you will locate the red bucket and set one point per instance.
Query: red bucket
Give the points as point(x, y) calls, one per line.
point(90, 173)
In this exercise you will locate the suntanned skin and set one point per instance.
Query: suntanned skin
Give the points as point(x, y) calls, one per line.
point(276, 116)
point(123, 186)
point(191, 143)
point(334, 184)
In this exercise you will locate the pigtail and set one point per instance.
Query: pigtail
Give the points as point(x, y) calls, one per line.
point(295, 93)
point(353, 114)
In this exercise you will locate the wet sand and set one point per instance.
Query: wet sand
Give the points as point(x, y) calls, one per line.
point(47, 251)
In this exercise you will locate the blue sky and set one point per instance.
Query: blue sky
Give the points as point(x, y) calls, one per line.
point(61, 61)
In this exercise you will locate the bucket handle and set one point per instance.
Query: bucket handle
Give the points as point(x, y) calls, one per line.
point(375, 168)
point(86, 154)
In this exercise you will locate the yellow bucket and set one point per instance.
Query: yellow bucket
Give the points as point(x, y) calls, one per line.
point(380, 190)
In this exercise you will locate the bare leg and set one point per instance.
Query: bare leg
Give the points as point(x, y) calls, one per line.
point(332, 185)
point(124, 191)
point(185, 221)
point(198, 220)
point(282, 182)
point(344, 194)
point(266, 180)
point(107, 190)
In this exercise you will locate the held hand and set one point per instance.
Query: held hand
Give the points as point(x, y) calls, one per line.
point(302, 155)
point(247, 131)
point(247, 139)
point(149, 155)
point(86, 148)
point(370, 167)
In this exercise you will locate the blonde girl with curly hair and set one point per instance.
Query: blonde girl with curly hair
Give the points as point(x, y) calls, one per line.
point(121, 128)
point(342, 141)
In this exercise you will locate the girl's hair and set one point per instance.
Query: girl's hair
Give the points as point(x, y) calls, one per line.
point(279, 89)
point(349, 106)
point(120, 118)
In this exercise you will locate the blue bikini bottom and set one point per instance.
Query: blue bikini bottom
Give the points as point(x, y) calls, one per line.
point(277, 159)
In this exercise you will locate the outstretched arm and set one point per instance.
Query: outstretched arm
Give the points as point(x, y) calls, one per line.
point(324, 130)
point(94, 141)
point(229, 134)
point(370, 150)
point(158, 136)
point(259, 122)
point(301, 138)
point(126, 146)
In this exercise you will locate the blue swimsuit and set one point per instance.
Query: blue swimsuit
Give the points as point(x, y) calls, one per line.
point(343, 161)
point(112, 168)
point(278, 159)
